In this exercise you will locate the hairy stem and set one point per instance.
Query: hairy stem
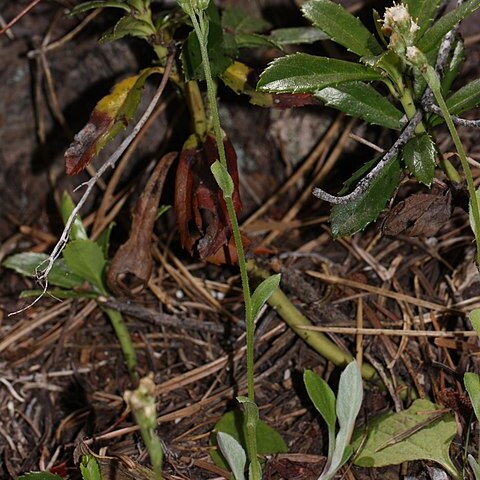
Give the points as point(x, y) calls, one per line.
point(201, 28)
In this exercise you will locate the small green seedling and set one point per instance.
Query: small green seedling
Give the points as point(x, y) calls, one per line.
point(343, 409)
point(80, 273)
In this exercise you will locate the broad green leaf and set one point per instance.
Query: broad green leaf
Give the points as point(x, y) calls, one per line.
point(342, 27)
point(234, 454)
point(423, 12)
point(472, 384)
point(474, 466)
point(223, 178)
point(361, 100)
point(39, 476)
point(236, 21)
point(263, 292)
point(355, 216)
point(297, 35)
point(349, 401)
point(419, 157)
point(77, 232)
point(303, 73)
point(26, 264)
point(89, 468)
point(434, 35)
point(129, 25)
point(431, 442)
point(466, 98)
point(474, 317)
point(221, 47)
point(324, 400)
point(269, 440)
point(85, 259)
point(84, 7)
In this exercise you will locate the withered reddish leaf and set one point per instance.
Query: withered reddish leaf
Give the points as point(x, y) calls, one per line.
point(202, 216)
point(84, 145)
point(422, 214)
point(109, 117)
point(134, 257)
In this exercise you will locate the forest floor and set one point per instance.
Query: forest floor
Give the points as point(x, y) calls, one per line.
point(62, 375)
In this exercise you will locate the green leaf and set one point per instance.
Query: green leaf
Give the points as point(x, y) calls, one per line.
point(297, 35)
point(77, 232)
point(236, 21)
point(472, 384)
point(423, 12)
point(355, 216)
point(466, 98)
point(434, 35)
point(234, 454)
point(342, 27)
point(269, 440)
point(419, 157)
point(90, 468)
point(103, 241)
point(303, 73)
point(263, 292)
point(26, 264)
point(456, 60)
point(474, 317)
point(432, 442)
point(471, 218)
point(39, 476)
point(223, 178)
point(324, 400)
point(85, 259)
point(361, 100)
point(474, 466)
point(349, 401)
point(84, 7)
point(254, 40)
point(129, 25)
point(59, 293)
point(221, 47)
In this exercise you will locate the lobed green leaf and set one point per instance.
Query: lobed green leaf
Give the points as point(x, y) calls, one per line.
point(129, 25)
point(342, 27)
point(303, 73)
point(360, 100)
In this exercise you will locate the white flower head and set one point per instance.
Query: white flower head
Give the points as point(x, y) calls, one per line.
point(399, 25)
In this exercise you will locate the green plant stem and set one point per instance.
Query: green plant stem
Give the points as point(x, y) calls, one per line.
point(410, 109)
point(200, 27)
point(124, 340)
point(154, 448)
point(434, 83)
point(296, 321)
